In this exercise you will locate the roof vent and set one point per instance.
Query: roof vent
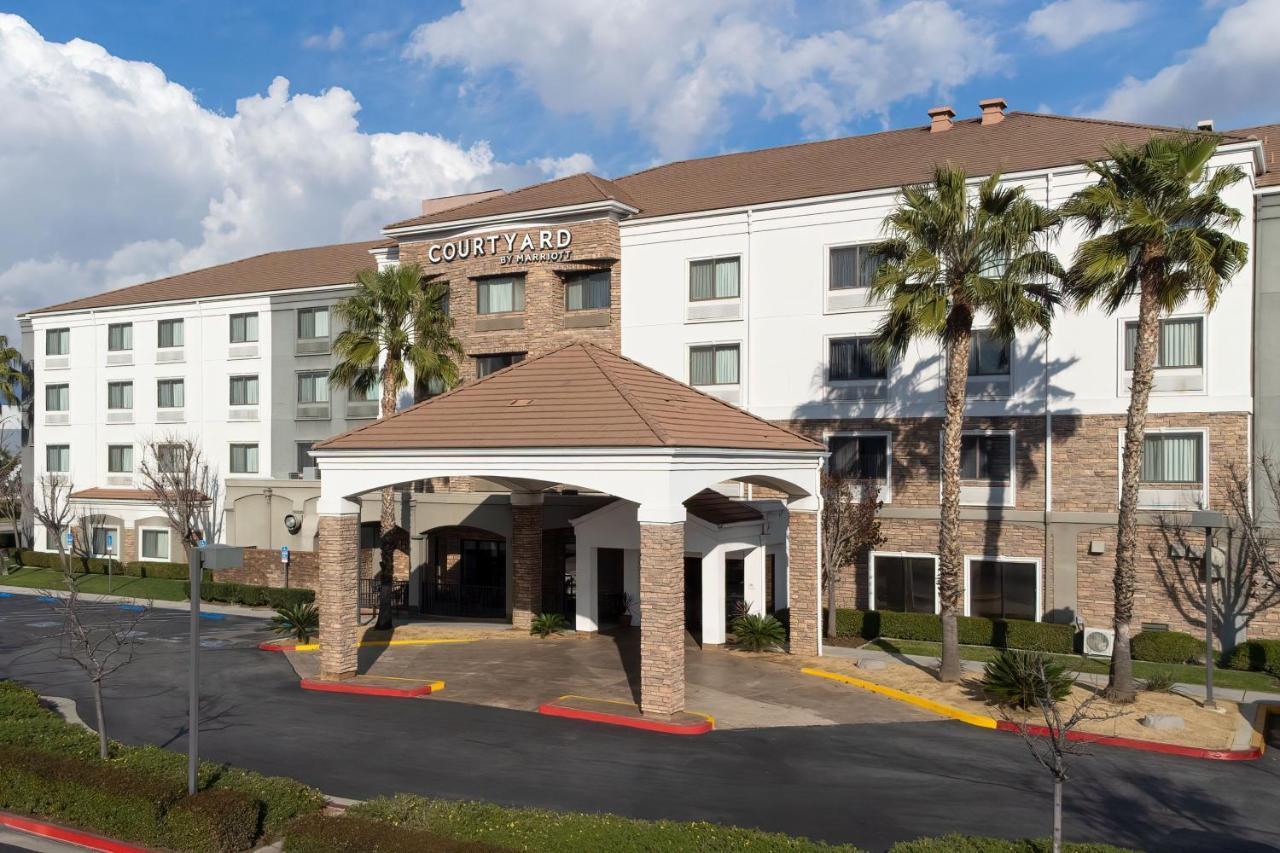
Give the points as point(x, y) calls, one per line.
point(1205, 124)
point(940, 119)
point(519, 403)
point(993, 110)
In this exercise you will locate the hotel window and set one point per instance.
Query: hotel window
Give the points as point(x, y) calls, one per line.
point(169, 334)
point(313, 387)
point(105, 541)
point(119, 458)
point(714, 278)
point(170, 394)
point(1181, 343)
point(119, 395)
point(57, 342)
point(1173, 458)
point(986, 458)
point(1003, 589)
point(859, 457)
point(486, 364)
point(57, 458)
point(313, 323)
point(852, 266)
point(244, 390)
point(713, 365)
point(244, 328)
point(853, 359)
point(120, 337)
point(503, 295)
point(57, 398)
point(244, 459)
point(155, 544)
point(988, 355)
point(171, 458)
point(587, 290)
point(904, 584)
point(304, 455)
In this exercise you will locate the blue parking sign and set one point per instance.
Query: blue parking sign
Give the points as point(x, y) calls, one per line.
point(284, 553)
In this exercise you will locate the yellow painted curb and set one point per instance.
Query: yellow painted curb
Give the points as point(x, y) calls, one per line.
point(706, 717)
point(311, 647)
point(1258, 740)
point(927, 704)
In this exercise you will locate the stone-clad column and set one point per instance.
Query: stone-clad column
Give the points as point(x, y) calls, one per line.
point(662, 618)
point(526, 557)
point(802, 581)
point(338, 593)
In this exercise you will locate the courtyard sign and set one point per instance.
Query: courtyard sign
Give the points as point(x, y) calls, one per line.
point(513, 247)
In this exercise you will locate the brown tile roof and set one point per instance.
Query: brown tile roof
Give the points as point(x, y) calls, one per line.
point(100, 494)
point(577, 396)
point(1269, 135)
point(582, 188)
point(274, 271)
point(710, 505)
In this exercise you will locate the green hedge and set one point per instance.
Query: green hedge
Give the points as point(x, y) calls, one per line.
point(214, 821)
point(972, 630)
point(971, 844)
point(1255, 655)
point(98, 566)
point(250, 595)
point(1167, 647)
point(320, 834)
point(568, 832)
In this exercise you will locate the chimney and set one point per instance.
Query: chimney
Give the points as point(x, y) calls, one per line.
point(940, 119)
point(993, 110)
point(1205, 124)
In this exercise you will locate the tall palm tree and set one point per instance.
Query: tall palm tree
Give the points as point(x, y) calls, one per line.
point(15, 380)
point(395, 320)
point(1154, 222)
point(951, 256)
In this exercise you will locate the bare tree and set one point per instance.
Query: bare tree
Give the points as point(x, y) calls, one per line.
point(185, 486)
point(12, 493)
point(98, 640)
point(850, 528)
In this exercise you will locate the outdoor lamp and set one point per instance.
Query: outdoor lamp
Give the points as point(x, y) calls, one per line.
point(1210, 521)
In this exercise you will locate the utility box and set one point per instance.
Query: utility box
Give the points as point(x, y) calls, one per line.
point(221, 556)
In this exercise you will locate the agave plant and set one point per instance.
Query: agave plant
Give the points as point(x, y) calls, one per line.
point(1160, 681)
point(1025, 679)
point(546, 624)
point(300, 621)
point(758, 633)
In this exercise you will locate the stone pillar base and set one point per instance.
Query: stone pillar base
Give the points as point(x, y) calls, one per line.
point(802, 582)
point(526, 558)
point(662, 619)
point(338, 595)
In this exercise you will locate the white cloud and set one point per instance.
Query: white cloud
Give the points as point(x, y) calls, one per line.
point(112, 174)
point(1065, 24)
point(331, 40)
point(670, 68)
point(1231, 77)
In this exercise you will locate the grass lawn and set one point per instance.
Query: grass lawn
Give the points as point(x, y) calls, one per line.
point(158, 589)
point(1141, 669)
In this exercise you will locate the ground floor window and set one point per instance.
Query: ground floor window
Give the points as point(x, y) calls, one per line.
point(1173, 458)
point(860, 457)
point(903, 583)
point(1003, 589)
point(106, 542)
point(155, 544)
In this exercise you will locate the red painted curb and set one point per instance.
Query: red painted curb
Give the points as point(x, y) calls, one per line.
point(699, 728)
point(272, 646)
point(31, 826)
point(364, 689)
point(1251, 754)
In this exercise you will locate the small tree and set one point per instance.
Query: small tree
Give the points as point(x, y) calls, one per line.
point(850, 528)
point(185, 487)
point(12, 493)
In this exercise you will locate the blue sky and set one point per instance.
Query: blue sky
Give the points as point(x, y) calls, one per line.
point(176, 135)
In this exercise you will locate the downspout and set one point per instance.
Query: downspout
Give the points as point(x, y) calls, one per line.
point(1048, 425)
point(745, 386)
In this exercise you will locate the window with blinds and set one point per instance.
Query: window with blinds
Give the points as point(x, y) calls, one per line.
point(859, 457)
point(1003, 589)
point(852, 266)
point(244, 390)
point(120, 337)
point(988, 355)
point(57, 342)
point(986, 457)
point(170, 394)
point(713, 365)
point(313, 387)
point(244, 459)
point(1173, 458)
point(57, 458)
point(503, 295)
point(155, 544)
point(120, 459)
point(57, 398)
point(313, 323)
point(119, 395)
point(904, 584)
point(486, 364)
point(169, 334)
point(171, 458)
point(1181, 343)
point(586, 291)
point(244, 328)
point(714, 278)
point(852, 359)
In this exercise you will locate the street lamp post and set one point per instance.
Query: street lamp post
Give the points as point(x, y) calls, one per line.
point(200, 558)
point(1210, 521)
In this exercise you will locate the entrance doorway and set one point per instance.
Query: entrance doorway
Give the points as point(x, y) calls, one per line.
point(467, 575)
point(735, 589)
point(612, 597)
point(693, 595)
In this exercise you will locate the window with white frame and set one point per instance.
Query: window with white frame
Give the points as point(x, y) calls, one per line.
point(57, 341)
point(713, 364)
point(105, 541)
point(860, 456)
point(169, 334)
point(313, 387)
point(171, 458)
point(586, 291)
point(120, 395)
point(119, 458)
point(1181, 343)
point(1173, 458)
point(988, 355)
point(986, 458)
point(155, 543)
point(244, 390)
point(57, 398)
point(854, 359)
point(501, 295)
point(904, 583)
point(244, 328)
point(57, 458)
point(1003, 589)
point(852, 266)
point(244, 459)
point(120, 337)
point(313, 323)
point(714, 278)
point(170, 393)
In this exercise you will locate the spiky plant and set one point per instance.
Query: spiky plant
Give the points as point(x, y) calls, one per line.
point(757, 632)
point(301, 621)
point(1024, 679)
point(546, 624)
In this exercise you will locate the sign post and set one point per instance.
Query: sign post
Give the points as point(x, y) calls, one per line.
point(284, 558)
point(202, 557)
point(111, 549)
point(1210, 521)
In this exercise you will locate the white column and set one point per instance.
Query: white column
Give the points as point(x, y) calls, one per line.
point(713, 597)
point(587, 602)
point(631, 580)
point(753, 580)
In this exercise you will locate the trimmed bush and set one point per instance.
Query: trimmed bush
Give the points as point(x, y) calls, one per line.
point(972, 630)
point(1048, 637)
point(249, 595)
point(320, 834)
point(215, 821)
point(1256, 656)
point(1167, 647)
point(98, 566)
point(970, 844)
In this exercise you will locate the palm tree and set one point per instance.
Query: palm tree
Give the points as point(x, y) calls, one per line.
point(1154, 224)
point(393, 320)
point(15, 381)
point(949, 257)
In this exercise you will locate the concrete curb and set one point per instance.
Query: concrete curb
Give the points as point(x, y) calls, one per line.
point(925, 704)
point(273, 646)
point(66, 708)
point(102, 598)
point(54, 832)
point(371, 690)
point(701, 726)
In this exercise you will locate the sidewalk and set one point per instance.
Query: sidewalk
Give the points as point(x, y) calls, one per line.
point(205, 606)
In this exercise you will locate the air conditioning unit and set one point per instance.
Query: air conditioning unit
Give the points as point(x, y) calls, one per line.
point(1098, 642)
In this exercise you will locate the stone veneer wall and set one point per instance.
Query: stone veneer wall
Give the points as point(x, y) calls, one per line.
point(526, 563)
point(802, 581)
point(338, 595)
point(662, 618)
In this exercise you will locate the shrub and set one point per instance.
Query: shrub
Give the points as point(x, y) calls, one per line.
point(320, 834)
point(1167, 647)
point(250, 595)
point(300, 621)
point(1023, 679)
point(972, 630)
point(214, 821)
point(1256, 655)
point(971, 844)
point(546, 624)
point(1160, 681)
point(97, 566)
point(851, 623)
point(1049, 637)
point(758, 633)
